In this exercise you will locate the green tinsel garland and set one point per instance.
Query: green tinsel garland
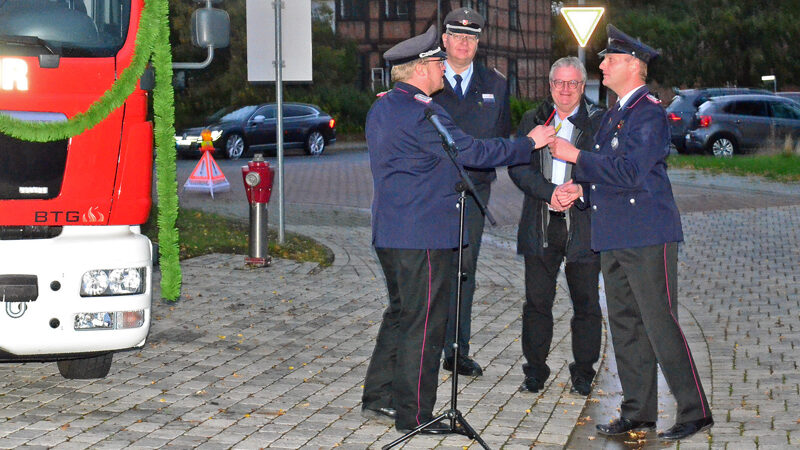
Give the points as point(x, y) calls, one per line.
point(151, 39)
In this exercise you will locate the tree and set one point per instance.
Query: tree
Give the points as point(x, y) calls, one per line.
point(705, 43)
point(224, 82)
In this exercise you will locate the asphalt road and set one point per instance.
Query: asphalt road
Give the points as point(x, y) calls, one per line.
point(341, 177)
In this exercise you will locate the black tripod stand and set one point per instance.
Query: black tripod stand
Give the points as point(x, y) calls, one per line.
point(458, 425)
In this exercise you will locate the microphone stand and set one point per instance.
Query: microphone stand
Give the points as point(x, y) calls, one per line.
point(458, 425)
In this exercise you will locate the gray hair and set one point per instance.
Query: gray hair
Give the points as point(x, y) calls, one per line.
point(402, 72)
point(568, 61)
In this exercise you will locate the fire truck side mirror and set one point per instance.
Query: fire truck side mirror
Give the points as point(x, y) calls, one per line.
point(211, 28)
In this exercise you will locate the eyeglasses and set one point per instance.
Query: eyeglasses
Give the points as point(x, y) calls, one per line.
point(439, 62)
point(571, 84)
point(470, 38)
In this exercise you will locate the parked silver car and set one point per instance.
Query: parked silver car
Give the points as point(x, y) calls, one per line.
point(683, 107)
point(724, 126)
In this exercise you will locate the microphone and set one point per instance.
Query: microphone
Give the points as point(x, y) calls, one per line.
point(434, 119)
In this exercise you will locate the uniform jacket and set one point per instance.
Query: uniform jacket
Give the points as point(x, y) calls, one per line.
point(414, 198)
point(530, 178)
point(630, 193)
point(484, 112)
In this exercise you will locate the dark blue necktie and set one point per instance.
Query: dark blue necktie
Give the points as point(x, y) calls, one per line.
point(457, 89)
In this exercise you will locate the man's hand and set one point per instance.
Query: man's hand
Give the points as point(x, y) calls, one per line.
point(542, 135)
point(565, 195)
point(564, 150)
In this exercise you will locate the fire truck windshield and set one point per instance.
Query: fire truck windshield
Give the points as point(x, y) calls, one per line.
point(70, 28)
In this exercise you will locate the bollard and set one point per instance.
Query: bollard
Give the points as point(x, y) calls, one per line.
point(257, 176)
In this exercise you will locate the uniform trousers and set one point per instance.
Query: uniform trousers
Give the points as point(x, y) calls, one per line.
point(641, 289)
point(404, 368)
point(474, 221)
point(541, 272)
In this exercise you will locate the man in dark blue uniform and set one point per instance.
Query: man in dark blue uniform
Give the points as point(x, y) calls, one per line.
point(550, 233)
point(636, 227)
point(415, 228)
point(477, 100)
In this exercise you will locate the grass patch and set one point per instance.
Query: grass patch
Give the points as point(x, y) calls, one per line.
point(202, 233)
point(782, 167)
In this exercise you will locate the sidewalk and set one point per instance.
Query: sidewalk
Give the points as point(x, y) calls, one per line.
point(276, 357)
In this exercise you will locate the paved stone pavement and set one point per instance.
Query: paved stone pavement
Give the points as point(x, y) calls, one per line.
point(275, 357)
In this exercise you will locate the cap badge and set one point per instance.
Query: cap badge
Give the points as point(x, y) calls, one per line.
point(465, 22)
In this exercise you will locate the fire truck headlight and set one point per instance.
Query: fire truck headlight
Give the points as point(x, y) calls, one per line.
point(113, 282)
point(111, 320)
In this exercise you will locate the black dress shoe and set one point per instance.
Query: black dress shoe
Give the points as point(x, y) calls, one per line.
point(466, 366)
point(686, 429)
point(581, 386)
point(531, 384)
point(440, 427)
point(623, 425)
point(383, 415)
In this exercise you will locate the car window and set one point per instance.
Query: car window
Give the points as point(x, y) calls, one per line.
point(785, 111)
point(267, 111)
point(296, 110)
point(680, 103)
point(237, 115)
point(748, 108)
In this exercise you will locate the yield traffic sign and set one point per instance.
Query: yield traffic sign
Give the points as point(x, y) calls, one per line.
point(582, 20)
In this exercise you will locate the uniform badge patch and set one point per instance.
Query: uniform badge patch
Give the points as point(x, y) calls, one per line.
point(488, 98)
point(653, 99)
point(423, 98)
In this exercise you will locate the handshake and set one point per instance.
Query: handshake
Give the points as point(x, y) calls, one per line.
point(565, 195)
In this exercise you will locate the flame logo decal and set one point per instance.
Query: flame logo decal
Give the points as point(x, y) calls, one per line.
point(93, 215)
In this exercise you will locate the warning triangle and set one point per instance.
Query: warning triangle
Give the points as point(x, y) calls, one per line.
point(582, 20)
point(207, 176)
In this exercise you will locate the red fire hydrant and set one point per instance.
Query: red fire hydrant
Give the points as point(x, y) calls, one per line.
point(258, 176)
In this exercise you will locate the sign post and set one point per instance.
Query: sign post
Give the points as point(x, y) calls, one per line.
point(266, 42)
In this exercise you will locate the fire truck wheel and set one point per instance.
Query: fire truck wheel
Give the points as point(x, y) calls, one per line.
point(234, 146)
point(85, 368)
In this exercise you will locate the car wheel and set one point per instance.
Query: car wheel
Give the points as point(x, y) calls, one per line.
point(315, 143)
point(723, 146)
point(234, 146)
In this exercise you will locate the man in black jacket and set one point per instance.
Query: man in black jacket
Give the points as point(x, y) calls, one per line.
point(550, 231)
point(477, 100)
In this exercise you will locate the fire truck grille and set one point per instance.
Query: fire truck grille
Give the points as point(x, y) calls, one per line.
point(31, 170)
point(16, 233)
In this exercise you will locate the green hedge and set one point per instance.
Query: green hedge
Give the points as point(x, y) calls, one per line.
point(518, 108)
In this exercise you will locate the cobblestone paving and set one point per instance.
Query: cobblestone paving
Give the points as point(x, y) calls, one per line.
point(256, 358)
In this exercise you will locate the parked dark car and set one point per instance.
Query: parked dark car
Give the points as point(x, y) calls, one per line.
point(240, 131)
point(729, 125)
point(685, 103)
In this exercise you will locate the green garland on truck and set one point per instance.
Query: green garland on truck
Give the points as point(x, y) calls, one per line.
point(152, 39)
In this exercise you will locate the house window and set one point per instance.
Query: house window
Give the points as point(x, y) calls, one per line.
point(513, 14)
point(478, 5)
point(396, 9)
point(512, 77)
point(350, 9)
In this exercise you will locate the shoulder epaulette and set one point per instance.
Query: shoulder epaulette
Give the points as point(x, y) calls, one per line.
point(499, 73)
point(653, 99)
point(381, 94)
point(422, 98)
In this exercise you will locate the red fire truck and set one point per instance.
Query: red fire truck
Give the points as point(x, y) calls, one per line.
point(75, 271)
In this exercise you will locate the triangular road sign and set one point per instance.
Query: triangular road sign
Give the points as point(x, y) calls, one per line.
point(582, 20)
point(207, 176)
